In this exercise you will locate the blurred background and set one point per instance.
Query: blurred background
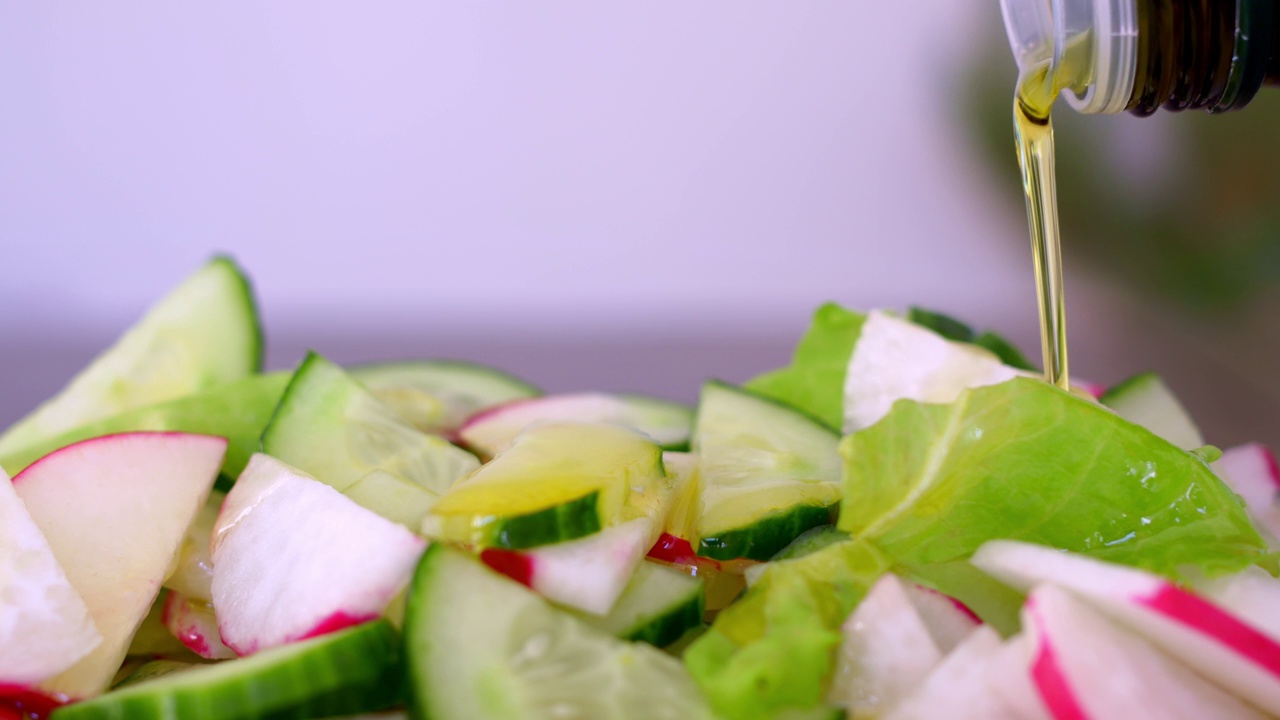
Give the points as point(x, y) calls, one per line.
point(595, 195)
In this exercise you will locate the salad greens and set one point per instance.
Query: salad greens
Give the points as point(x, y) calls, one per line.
point(944, 459)
point(1025, 460)
point(773, 650)
point(814, 382)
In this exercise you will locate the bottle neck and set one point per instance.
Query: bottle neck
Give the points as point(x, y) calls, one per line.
point(1204, 54)
point(1142, 55)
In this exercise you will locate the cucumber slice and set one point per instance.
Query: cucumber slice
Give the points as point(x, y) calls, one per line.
point(478, 645)
point(203, 333)
point(351, 671)
point(237, 410)
point(155, 669)
point(392, 497)
point(658, 606)
point(811, 541)
point(492, 431)
point(1145, 400)
point(766, 473)
point(557, 482)
point(331, 427)
point(438, 395)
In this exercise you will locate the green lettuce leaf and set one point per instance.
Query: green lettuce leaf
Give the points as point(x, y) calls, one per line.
point(943, 324)
point(814, 381)
point(996, 603)
point(770, 654)
point(1024, 460)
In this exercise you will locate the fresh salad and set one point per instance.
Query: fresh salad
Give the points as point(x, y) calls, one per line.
point(905, 522)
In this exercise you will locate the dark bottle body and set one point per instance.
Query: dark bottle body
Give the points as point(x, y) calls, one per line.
point(1204, 54)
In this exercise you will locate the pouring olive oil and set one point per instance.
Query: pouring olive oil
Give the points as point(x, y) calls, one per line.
point(1033, 130)
point(1038, 86)
point(1112, 56)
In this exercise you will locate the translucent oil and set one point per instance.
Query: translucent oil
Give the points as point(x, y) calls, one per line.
point(1033, 131)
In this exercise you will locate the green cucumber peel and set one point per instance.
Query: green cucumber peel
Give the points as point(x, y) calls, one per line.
point(351, 671)
point(764, 537)
point(203, 333)
point(811, 541)
point(331, 427)
point(659, 606)
point(564, 522)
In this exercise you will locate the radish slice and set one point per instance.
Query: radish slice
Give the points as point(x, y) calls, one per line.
point(973, 683)
point(1086, 668)
point(948, 620)
point(887, 651)
point(1210, 639)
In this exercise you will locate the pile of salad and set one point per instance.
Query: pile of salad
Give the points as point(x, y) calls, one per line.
point(905, 522)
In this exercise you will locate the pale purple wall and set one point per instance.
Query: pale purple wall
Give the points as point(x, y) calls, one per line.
point(498, 164)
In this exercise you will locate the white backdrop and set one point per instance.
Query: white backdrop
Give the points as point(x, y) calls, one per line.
point(505, 165)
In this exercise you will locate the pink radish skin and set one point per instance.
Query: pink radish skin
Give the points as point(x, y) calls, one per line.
point(1052, 684)
point(1087, 668)
point(1210, 620)
point(195, 626)
point(1092, 388)
point(491, 430)
point(588, 573)
point(1206, 637)
point(1251, 595)
point(293, 558)
point(948, 620)
point(114, 509)
point(335, 622)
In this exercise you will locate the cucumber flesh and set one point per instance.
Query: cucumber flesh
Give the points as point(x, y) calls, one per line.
point(492, 431)
point(350, 671)
point(203, 333)
point(237, 410)
point(331, 427)
point(558, 482)
point(392, 497)
point(1145, 400)
point(766, 473)
point(438, 395)
point(478, 645)
point(658, 606)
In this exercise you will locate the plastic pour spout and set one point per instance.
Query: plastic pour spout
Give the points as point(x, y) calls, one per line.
point(1091, 45)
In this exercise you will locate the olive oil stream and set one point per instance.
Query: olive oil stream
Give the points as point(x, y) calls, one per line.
point(1033, 130)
